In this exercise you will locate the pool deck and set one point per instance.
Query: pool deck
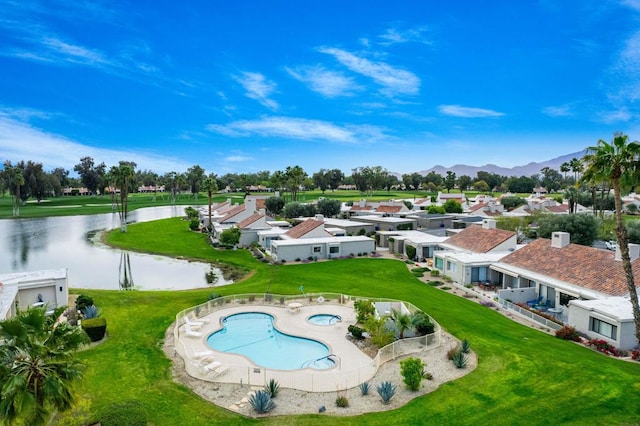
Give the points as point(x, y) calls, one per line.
point(352, 365)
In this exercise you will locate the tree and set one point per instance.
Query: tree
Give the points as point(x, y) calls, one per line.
point(511, 203)
point(522, 184)
point(321, 180)
point(412, 370)
point(463, 182)
point(452, 206)
point(15, 181)
point(38, 366)
point(582, 227)
point(481, 186)
point(121, 177)
point(328, 207)
point(616, 163)
point(450, 181)
point(195, 176)
point(335, 177)
point(210, 185)
point(551, 179)
point(274, 204)
point(294, 176)
point(576, 167)
point(565, 168)
point(92, 176)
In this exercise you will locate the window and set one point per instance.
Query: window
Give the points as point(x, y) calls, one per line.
point(334, 249)
point(317, 249)
point(451, 266)
point(439, 263)
point(604, 328)
point(566, 298)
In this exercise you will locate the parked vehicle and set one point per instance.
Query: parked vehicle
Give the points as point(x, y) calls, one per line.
point(611, 245)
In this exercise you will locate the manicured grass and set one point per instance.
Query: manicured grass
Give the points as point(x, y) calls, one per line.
point(523, 376)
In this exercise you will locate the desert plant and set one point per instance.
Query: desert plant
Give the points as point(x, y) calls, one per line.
point(342, 401)
point(90, 312)
point(412, 370)
point(386, 391)
point(460, 360)
point(434, 272)
point(272, 387)
point(422, 323)
point(452, 352)
point(261, 402)
point(355, 331)
point(465, 347)
point(82, 301)
point(364, 388)
point(380, 333)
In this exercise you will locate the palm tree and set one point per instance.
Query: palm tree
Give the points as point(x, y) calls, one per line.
point(37, 365)
point(617, 163)
point(565, 168)
point(402, 321)
point(122, 176)
point(210, 185)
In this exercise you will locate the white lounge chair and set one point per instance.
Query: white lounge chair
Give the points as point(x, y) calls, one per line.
point(194, 325)
point(193, 318)
point(202, 354)
point(189, 332)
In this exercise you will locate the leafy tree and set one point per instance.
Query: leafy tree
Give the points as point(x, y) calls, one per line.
point(434, 178)
point(38, 366)
point(321, 180)
point(433, 209)
point(616, 163)
point(452, 206)
point(450, 181)
point(633, 231)
point(379, 331)
point(274, 204)
point(481, 186)
point(571, 194)
point(511, 203)
point(329, 207)
point(493, 180)
point(522, 184)
point(551, 179)
point(295, 209)
point(582, 227)
point(91, 175)
point(230, 237)
point(335, 177)
point(195, 176)
point(464, 182)
point(294, 177)
point(412, 370)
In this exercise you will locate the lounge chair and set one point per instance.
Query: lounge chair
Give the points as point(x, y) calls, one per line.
point(194, 325)
point(202, 354)
point(189, 332)
point(192, 317)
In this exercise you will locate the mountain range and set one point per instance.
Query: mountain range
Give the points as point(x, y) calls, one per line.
point(526, 170)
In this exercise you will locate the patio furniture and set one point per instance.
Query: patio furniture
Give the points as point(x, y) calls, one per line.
point(534, 302)
point(189, 332)
point(193, 325)
point(556, 312)
point(192, 316)
point(294, 307)
point(542, 307)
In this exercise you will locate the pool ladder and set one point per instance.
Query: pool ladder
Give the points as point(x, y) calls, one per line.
point(313, 361)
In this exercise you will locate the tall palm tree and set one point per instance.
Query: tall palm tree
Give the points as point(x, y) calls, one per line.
point(210, 185)
point(123, 175)
point(37, 366)
point(617, 163)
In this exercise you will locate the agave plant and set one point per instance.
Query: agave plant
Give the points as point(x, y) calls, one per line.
point(465, 347)
point(386, 391)
point(460, 359)
point(364, 388)
point(90, 312)
point(272, 387)
point(261, 402)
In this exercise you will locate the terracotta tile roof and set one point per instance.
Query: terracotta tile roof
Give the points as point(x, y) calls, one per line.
point(389, 209)
point(251, 219)
point(478, 239)
point(490, 213)
point(261, 203)
point(354, 208)
point(478, 206)
point(563, 208)
point(582, 266)
point(232, 212)
point(304, 228)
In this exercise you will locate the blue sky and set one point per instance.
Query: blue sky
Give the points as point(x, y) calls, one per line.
point(243, 86)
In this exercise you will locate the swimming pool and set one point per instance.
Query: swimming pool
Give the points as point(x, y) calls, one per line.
point(324, 319)
point(253, 335)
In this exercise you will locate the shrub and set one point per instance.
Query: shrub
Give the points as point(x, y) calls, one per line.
point(386, 391)
point(434, 283)
point(83, 301)
point(380, 334)
point(459, 360)
point(364, 388)
point(412, 370)
point(213, 296)
point(129, 413)
point(261, 402)
point(421, 323)
point(272, 387)
point(428, 376)
point(194, 224)
point(90, 312)
point(364, 309)
point(635, 355)
point(434, 272)
point(191, 212)
point(452, 352)
point(465, 347)
point(342, 401)
point(568, 333)
point(355, 331)
point(603, 346)
point(252, 298)
point(95, 328)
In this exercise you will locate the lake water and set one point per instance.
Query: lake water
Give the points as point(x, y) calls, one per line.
point(69, 242)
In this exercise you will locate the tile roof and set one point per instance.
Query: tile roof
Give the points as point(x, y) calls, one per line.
point(238, 208)
point(360, 208)
point(583, 266)
point(304, 228)
point(477, 206)
point(251, 219)
point(562, 208)
point(478, 239)
point(389, 209)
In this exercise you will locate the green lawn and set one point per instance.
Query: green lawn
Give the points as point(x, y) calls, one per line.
point(523, 377)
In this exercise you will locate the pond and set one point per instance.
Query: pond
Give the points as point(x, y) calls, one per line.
point(72, 242)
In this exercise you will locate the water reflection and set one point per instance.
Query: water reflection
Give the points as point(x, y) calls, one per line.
point(72, 242)
point(125, 275)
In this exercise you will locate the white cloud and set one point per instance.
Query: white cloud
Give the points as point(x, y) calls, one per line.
point(634, 4)
point(328, 83)
point(394, 35)
point(299, 128)
point(258, 88)
point(468, 112)
point(237, 158)
point(627, 70)
point(615, 116)
point(558, 111)
point(395, 81)
point(20, 140)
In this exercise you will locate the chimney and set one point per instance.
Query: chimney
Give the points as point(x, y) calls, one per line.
point(560, 239)
point(488, 224)
point(634, 252)
point(363, 203)
point(319, 218)
point(250, 205)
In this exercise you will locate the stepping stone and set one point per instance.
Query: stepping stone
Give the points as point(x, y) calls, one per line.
point(234, 407)
point(245, 400)
point(241, 405)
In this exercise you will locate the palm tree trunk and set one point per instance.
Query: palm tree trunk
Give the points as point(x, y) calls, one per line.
point(623, 244)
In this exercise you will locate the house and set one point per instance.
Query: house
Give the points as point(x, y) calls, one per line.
point(388, 223)
point(586, 283)
point(382, 208)
point(467, 255)
point(21, 290)
point(310, 240)
point(416, 245)
point(458, 197)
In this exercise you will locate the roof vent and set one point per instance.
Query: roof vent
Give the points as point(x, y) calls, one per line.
point(560, 239)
